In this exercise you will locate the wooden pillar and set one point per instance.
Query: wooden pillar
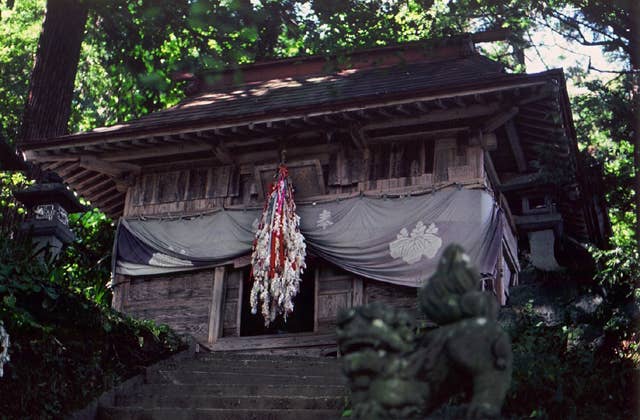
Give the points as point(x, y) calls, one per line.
point(316, 301)
point(498, 287)
point(239, 305)
point(216, 307)
point(120, 291)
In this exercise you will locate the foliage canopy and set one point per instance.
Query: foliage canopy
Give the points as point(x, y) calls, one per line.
point(133, 49)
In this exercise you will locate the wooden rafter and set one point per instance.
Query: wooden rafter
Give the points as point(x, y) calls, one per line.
point(87, 181)
point(418, 134)
point(63, 171)
point(449, 114)
point(52, 166)
point(97, 186)
point(516, 147)
point(73, 178)
point(106, 193)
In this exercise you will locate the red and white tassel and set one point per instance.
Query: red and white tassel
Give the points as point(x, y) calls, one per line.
point(279, 250)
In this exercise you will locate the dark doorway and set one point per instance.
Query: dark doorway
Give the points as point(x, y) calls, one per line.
point(301, 320)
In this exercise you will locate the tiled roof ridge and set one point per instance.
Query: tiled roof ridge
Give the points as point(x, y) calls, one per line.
point(479, 58)
point(415, 51)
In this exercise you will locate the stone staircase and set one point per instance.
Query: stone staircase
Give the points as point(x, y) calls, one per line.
point(233, 386)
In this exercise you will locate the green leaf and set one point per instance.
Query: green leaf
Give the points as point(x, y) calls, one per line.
point(10, 301)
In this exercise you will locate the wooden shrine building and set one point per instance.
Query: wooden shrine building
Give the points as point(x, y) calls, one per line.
point(393, 153)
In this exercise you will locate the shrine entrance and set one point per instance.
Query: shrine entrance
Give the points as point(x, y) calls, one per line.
point(301, 320)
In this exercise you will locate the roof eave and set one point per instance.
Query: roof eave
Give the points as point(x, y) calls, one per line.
point(507, 82)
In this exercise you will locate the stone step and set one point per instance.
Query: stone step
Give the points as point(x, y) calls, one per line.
point(253, 389)
point(138, 413)
point(275, 377)
point(254, 368)
point(146, 400)
point(248, 361)
point(270, 357)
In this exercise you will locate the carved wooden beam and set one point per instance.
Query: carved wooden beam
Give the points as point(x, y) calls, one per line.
point(491, 170)
point(498, 120)
point(123, 183)
point(63, 171)
point(489, 141)
point(222, 154)
point(516, 146)
point(543, 93)
point(113, 169)
point(471, 111)
point(444, 132)
point(358, 137)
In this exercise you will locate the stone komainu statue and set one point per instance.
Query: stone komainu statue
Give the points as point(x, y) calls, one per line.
point(396, 372)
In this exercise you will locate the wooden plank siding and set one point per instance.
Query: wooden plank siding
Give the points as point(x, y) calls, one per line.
point(233, 288)
point(387, 167)
point(336, 290)
point(182, 301)
point(398, 296)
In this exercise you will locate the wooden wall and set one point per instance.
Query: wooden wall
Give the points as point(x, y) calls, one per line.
point(398, 296)
point(316, 171)
point(182, 301)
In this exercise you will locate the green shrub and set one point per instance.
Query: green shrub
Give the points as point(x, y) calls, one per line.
point(560, 371)
point(65, 349)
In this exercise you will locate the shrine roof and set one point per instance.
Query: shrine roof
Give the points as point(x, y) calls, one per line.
point(305, 87)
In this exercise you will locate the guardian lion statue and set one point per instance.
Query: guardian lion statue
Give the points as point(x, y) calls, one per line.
point(396, 371)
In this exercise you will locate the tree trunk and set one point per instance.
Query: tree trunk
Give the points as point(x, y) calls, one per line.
point(635, 104)
point(48, 104)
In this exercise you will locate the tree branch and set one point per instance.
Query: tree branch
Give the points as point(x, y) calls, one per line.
point(620, 72)
point(618, 41)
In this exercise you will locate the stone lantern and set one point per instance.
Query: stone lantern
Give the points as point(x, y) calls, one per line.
point(49, 205)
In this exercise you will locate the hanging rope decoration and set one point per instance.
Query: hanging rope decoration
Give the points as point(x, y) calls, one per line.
point(279, 250)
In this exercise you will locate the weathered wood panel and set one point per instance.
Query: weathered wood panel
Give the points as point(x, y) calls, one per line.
point(306, 175)
point(167, 189)
point(398, 296)
point(345, 166)
point(399, 167)
point(182, 191)
point(218, 181)
point(232, 303)
point(334, 292)
point(180, 301)
point(148, 188)
point(197, 183)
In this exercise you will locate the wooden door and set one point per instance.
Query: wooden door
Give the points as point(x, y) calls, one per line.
point(335, 290)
